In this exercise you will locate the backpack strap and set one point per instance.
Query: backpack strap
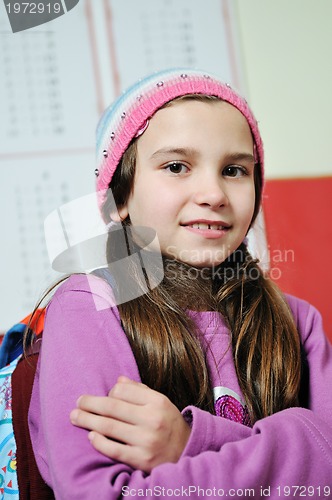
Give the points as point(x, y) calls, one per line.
point(22, 368)
point(30, 483)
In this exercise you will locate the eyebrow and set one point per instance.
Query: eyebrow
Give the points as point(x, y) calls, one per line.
point(241, 157)
point(233, 157)
point(177, 151)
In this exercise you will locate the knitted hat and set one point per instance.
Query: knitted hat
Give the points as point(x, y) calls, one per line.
point(127, 117)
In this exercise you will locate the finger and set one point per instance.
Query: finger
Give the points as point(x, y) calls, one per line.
point(129, 455)
point(108, 407)
point(126, 380)
point(108, 427)
point(136, 393)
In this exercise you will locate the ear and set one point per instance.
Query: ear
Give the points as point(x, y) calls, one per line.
point(120, 215)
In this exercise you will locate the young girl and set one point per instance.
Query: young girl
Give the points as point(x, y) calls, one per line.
point(211, 382)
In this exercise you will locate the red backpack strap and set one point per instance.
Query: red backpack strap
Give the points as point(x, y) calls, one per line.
point(30, 483)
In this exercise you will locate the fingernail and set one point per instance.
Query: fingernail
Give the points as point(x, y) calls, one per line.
point(73, 416)
point(91, 436)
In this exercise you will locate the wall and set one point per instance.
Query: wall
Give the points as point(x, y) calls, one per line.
point(286, 54)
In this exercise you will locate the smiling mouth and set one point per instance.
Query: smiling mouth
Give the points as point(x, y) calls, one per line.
point(206, 225)
point(201, 225)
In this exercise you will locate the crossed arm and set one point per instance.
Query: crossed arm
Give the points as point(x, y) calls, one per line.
point(133, 425)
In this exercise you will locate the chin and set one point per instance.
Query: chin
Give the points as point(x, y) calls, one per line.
point(202, 258)
point(205, 264)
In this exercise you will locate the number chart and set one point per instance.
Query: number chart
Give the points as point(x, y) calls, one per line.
point(56, 79)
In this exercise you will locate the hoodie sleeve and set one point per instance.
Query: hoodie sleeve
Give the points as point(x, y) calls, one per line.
point(290, 448)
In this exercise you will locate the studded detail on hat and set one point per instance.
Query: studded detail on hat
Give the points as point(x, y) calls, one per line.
point(142, 100)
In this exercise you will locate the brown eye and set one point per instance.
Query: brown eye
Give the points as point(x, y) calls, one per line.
point(234, 171)
point(176, 168)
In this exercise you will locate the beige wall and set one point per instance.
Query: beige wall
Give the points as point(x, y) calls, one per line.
point(287, 54)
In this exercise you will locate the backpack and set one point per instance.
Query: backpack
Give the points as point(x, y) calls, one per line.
point(19, 474)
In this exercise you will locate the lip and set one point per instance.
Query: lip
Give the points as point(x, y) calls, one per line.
point(207, 233)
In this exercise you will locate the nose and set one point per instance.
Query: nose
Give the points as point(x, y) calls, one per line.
point(210, 191)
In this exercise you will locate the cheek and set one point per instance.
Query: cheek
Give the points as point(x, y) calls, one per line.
point(151, 206)
point(162, 198)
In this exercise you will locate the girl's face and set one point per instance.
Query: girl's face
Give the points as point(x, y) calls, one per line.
point(194, 181)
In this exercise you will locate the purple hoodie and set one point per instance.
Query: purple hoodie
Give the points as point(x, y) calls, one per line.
point(85, 350)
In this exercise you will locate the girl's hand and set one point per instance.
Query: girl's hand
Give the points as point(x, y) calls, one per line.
point(133, 425)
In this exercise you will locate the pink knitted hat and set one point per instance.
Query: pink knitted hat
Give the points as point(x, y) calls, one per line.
point(127, 116)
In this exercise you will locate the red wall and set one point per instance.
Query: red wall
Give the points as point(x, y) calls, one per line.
point(299, 233)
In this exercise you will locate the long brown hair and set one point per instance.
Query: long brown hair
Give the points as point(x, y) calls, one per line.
point(166, 343)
